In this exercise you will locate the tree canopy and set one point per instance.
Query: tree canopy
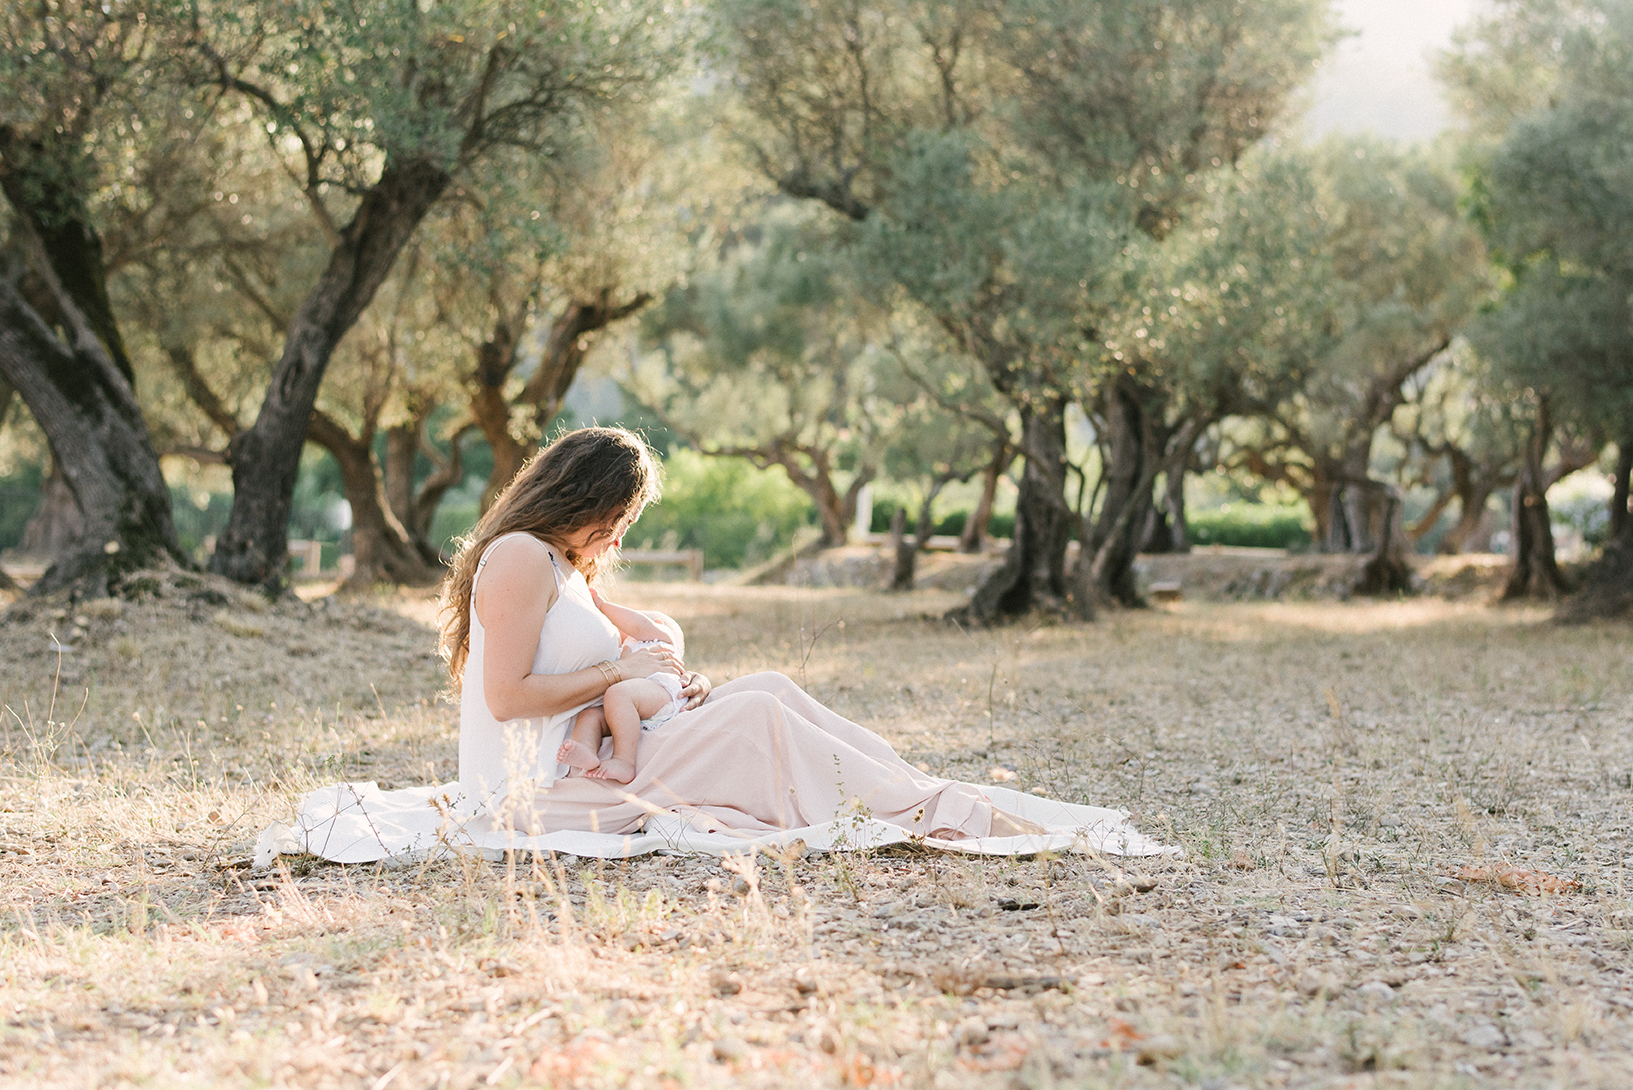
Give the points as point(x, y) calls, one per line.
point(911, 241)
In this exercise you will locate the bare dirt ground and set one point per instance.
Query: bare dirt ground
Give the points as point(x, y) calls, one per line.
point(1327, 768)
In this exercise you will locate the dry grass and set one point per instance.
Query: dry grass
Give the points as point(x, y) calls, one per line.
point(1325, 767)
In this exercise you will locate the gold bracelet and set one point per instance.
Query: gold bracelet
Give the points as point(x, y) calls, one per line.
point(609, 672)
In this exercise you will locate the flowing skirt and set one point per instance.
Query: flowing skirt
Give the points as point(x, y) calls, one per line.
point(758, 763)
point(761, 755)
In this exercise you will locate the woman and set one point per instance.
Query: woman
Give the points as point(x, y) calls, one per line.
point(530, 650)
point(755, 758)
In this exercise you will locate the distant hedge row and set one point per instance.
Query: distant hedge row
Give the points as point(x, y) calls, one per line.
point(951, 525)
point(1255, 525)
point(1251, 525)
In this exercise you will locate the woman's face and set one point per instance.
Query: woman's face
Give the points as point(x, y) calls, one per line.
point(593, 540)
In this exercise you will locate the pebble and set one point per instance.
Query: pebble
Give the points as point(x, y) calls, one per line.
point(1313, 982)
point(1486, 1036)
point(1161, 1047)
point(972, 1031)
point(729, 1049)
point(1375, 991)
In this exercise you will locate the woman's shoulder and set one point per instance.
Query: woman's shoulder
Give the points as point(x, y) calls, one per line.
point(520, 548)
point(518, 563)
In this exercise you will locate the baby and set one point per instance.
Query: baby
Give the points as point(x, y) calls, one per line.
point(627, 708)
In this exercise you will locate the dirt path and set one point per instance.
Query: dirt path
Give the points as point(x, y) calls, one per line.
point(1327, 768)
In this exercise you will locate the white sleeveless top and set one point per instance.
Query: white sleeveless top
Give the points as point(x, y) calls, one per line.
point(498, 758)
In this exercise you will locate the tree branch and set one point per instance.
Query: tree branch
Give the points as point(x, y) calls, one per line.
point(183, 363)
point(284, 118)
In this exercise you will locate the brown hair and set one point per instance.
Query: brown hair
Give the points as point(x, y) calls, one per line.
point(586, 477)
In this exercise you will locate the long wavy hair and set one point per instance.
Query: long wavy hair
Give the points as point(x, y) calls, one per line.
point(587, 477)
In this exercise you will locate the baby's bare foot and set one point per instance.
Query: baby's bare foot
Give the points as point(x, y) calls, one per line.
point(576, 754)
point(613, 769)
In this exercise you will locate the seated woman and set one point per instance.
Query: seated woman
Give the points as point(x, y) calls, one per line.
point(530, 650)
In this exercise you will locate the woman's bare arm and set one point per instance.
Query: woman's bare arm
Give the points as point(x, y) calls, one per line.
point(515, 590)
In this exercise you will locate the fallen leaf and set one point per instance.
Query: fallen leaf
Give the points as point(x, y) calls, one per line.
point(1518, 879)
point(1122, 1034)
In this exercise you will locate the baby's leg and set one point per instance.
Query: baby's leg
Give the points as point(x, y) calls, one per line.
point(582, 748)
point(627, 703)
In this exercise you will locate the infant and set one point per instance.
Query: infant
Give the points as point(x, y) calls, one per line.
point(627, 708)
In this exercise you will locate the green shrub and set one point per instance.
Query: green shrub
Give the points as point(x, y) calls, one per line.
point(737, 514)
point(951, 524)
point(1255, 525)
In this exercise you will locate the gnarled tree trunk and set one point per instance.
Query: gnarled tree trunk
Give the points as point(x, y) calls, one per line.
point(61, 351)
point(1620, 516)
point(1035, 564)
point(1473, 484)
point(1465, 534)
point(490, 409)
point(1179, 533)
point(815, 477)
point(266, 456)
point(1387, 571)
point(974, 534)
point(1536, 572)
point(1113, 540)
point(1106, 568)
point(416, 507)
point(1607, 587)
point(907, 553)
point(84, 404)
point(382, 547)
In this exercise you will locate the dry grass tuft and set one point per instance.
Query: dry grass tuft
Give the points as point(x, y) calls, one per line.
point(1325, 767)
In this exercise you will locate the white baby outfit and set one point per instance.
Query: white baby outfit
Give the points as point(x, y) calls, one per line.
point(670, 684)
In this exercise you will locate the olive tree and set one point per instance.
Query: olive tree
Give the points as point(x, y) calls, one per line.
point(773, 356)
point(71, 79)
point(1407, 271)
point(1106, 117)
point(378, 107)
point(1549, 87)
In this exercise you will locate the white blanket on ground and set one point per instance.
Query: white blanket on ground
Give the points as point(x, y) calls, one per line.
point(360, 823)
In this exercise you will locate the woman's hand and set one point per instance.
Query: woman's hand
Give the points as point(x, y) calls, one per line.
point(696, 690)
point(651, 660)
